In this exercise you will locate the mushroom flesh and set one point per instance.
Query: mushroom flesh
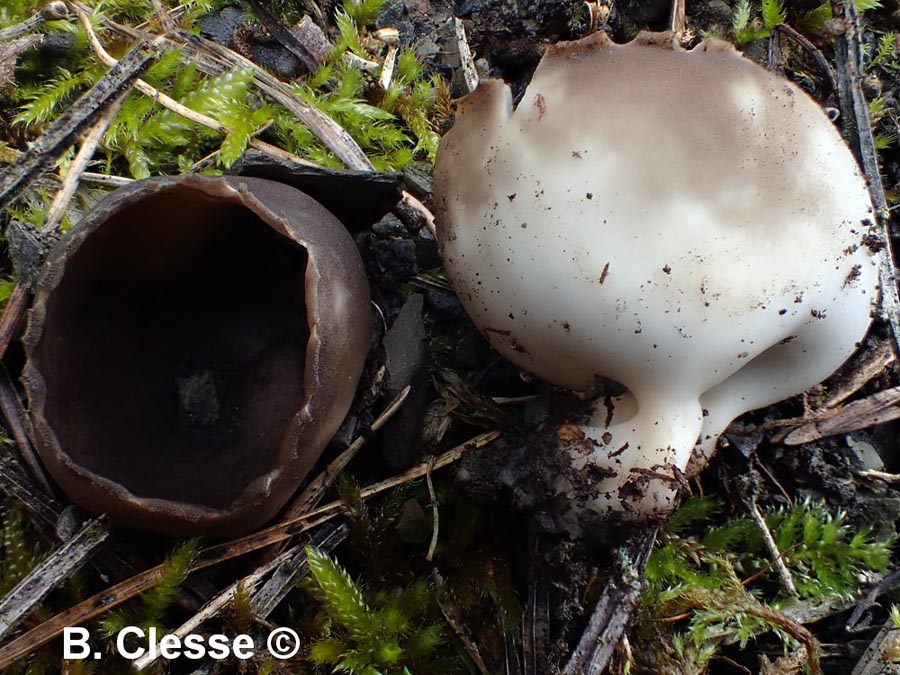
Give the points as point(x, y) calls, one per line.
point(194, 345)
point(684, 223)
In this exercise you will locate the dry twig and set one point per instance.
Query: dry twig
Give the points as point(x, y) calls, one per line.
point(610, 617)
point(52, 11)
point(317, 487)
point(116, 595)
point(170, 103)
point(54, 215)
point(857, 127)
point(51, 145)
point(37, 584)
point(14, 413)
point(213, 607)
point(777, 556)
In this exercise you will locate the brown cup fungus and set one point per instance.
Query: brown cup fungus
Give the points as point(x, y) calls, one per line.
point(685, 223)
point(194, 345)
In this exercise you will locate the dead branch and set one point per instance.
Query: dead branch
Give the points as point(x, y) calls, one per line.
point(53, 11)
point(37, 584)
point(820, 59)
point(858, 129)
point(777, 556)
point(119, 593)
point(872, 661)
point(167, 101)
point(15, 484)
point(317, 487)
point(613, 610)
point(12, 316)
point(54, 215)
point(267, 598)
point(51, 145)
point(878, 408)
point(212, 608)
point(287, 39)
point(14, 413)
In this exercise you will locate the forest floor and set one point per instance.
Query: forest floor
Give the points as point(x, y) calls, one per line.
point(426, 541)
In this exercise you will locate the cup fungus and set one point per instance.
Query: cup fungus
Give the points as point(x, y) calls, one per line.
point(194, 344)
point(682, 222)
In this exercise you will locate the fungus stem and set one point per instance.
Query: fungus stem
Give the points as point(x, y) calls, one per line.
point(638, 452)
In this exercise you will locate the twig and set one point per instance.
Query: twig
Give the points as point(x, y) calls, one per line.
point(613, 610)
point(435, 514)
point(63, 196)
point(51, 145)
point(820, 59)
point(869, 366)
point(267, 598)
point(753, 577)
point(414, 214)
point(53, 11)
point(885, 584)
point(116, 595)
point(167, 101)
point(878, 408)
point(332, 135)
point(287, 39)
point(786, 579)
point(676, 18)
point(12, 316)
point(14, 483)
point(536, 623)
point(106, 181)
point(872, 661)
point(317, 487)
point(892, 478)
point(453, 615)
point(165, 19)
point(855, 114)
point(37, 584)
point(14, 413)
point(212, 608)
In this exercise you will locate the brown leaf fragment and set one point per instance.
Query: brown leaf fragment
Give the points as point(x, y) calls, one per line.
point(570, 432)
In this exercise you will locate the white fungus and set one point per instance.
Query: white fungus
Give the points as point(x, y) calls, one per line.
point(684, 223)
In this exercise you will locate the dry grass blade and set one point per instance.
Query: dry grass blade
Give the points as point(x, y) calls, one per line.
point(116, 595)
point(454, 616)
point(873, 659)
point(16, 485)
point(9, 52)
point(871, 365)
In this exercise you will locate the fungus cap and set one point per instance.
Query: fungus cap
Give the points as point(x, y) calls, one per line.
point(685, 223)
point(194, 344)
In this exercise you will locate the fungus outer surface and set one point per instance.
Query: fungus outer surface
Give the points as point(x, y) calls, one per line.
point(195, 343)
point(687, 224)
